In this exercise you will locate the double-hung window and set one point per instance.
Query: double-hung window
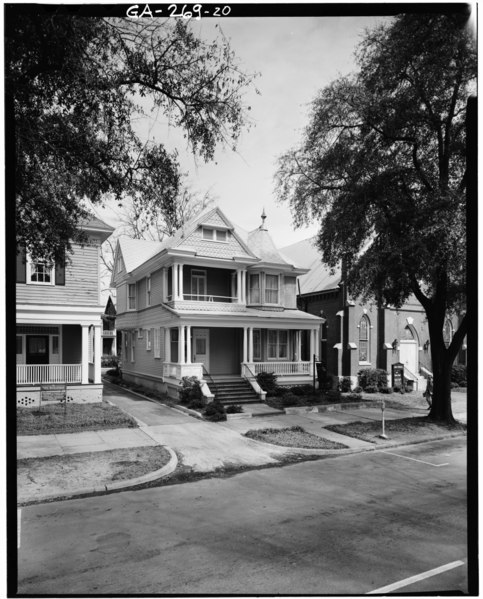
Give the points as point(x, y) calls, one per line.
point(277, 344)
point(271, 289)
point(198, 285)
point(131, 296)
point(257, 344)
point(255, 289)
point(215, 234)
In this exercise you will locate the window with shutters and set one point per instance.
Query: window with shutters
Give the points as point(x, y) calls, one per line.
point(38, 272)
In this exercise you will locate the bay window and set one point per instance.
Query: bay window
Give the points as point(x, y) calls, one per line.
point(271, 289)
point(254, 289)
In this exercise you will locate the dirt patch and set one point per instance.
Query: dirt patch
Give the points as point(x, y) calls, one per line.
point(60, 474)
point(294, 436)
point(402, 430)
point(72, 418)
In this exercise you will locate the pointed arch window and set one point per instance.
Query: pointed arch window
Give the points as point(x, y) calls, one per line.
point(448, 332)
point(364, 339)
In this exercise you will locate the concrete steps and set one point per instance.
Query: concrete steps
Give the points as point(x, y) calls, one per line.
point(234, 390)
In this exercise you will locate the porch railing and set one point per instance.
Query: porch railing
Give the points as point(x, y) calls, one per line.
point(178, 371)
point(206, 297)
point(34, 374)
point(282, 368)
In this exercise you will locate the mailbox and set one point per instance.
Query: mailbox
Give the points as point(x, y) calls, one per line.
point(398, 375)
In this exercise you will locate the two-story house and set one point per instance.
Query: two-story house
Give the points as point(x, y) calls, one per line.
point(357, 335)
point(211, 301)
point(59, 326)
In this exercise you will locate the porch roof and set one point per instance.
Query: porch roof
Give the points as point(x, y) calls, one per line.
point(250, 313)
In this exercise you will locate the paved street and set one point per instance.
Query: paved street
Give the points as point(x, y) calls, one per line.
point(346, 525)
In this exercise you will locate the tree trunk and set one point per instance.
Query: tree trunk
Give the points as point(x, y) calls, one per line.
point(441, 365)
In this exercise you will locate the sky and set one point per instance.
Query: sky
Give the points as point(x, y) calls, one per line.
point(295, 57)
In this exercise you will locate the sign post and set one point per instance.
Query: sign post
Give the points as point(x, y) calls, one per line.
point(397, 375)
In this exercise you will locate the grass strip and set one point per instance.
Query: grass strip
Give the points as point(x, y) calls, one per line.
point(294, 436)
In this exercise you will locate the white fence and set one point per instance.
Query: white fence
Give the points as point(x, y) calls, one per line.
point(34, 374)
point(282, 368)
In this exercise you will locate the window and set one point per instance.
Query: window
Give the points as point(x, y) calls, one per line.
point(255, 289)
point(41, 273)
point(148, 339)
point(174, 344)
point(447, 332)
point(148, 290)
point(257, 344)
point(157, 343)
point(271, 289)
point(198, 285)
point(215, 235)
point(131, 296)
point(364, 330)
point(140, 333)
point(277, 345)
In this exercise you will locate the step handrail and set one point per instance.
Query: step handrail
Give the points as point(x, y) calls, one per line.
point(252, 379)
point(210, 380)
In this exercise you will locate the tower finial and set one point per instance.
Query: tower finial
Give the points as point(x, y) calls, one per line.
point(264, 216)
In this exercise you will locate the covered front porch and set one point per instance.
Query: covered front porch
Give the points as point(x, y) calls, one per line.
point(49, 352)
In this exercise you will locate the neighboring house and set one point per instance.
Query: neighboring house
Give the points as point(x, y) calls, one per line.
point(59, 326)
point(212, 302)
point(356, 336)
point(109, 332)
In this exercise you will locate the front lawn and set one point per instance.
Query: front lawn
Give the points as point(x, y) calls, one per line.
point(294, 436)
point(60, 474)
point(403, 429)
point(74, 418)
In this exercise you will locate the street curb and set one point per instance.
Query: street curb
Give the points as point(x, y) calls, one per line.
point(115, 486)
point(349, 450)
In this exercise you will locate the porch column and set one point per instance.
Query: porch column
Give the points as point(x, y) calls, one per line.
point(244, 286)
point(114, 344)
point(85, 355)
point(298, 345)
point(245, 348)
point(165, 285)
point(180, 284)
point(167, 344)
point(188, 344)
point(239, 286)
point(312, 343)
point(174, 281)
point(97, 355)
point(250, 344)
point(181, 345)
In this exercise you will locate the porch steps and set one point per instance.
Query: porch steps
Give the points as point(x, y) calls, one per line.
point(233, 391)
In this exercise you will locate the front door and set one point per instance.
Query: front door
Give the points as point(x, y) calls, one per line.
point(408, 354)
point(37, 349)
point(201, 347)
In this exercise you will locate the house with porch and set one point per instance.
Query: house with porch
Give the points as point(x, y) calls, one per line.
point(214, 302)
point(59, 325)
point(356, 335)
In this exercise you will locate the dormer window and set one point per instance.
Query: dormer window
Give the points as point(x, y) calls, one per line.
point(215, 234)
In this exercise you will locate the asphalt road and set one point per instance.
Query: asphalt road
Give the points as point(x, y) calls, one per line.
point(346, 525)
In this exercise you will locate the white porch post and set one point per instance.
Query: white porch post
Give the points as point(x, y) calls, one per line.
point(312, 343)
point(239, 286)
point(317, 343)
point(340, 344)
point(97, 354)
point(298, 344)
point(180, 285)
point(167, 344)
point(114, 344)
point(85, 354)
point(174, 281)
point(188, 344)
point(245, 348)
point(250, 344)
point(244, 286)
point(181, 345)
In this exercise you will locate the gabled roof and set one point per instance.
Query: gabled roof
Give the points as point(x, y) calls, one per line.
point(319, 278)
point(137, 251)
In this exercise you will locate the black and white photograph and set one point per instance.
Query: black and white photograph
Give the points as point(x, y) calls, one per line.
point(245, 306)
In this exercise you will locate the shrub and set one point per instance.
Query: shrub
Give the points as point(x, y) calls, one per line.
point(396, 388)
point(357, 389)
point(345, 385)
point(454, 384)
point(386, 389)
point(297, 390)
point(289, 399)
point(371, 389)
point(215, 411)
point(197, 403)
point(268, 382)
point(459, 374)
point(353, 397)
point(372, 377)
point(234, 409)
point(463, 383)
point(408, 389)
point(109, 361)
point(333, 395)
point(190, 389)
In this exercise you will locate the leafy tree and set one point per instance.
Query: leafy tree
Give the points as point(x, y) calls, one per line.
point(382, 166)
point(74, 88)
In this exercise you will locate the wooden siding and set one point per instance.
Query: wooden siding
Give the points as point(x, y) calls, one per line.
point(289, 298)
point(157, 287)
point(121, 298)
point(81, 282)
